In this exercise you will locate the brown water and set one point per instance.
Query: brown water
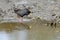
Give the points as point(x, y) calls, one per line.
point(11, 26)
point(39, 31)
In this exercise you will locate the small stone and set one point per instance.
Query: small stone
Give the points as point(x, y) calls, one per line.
point(30, 27)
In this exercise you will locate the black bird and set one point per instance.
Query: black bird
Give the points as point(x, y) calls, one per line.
point(22, 12)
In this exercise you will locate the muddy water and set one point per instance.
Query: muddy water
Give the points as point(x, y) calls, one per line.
point(13, 31)
point(39, 31)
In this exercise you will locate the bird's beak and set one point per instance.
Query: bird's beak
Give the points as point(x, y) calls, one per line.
point(30, 15)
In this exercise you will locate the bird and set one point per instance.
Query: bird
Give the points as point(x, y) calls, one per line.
point(22, 12)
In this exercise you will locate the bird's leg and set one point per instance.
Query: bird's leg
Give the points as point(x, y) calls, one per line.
point(20, 19)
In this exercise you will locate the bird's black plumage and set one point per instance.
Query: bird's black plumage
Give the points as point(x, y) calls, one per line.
point(22, 12)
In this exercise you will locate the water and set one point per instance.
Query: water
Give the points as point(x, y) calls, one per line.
point(17, 35)
point(39, 31)
point(13, 31)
